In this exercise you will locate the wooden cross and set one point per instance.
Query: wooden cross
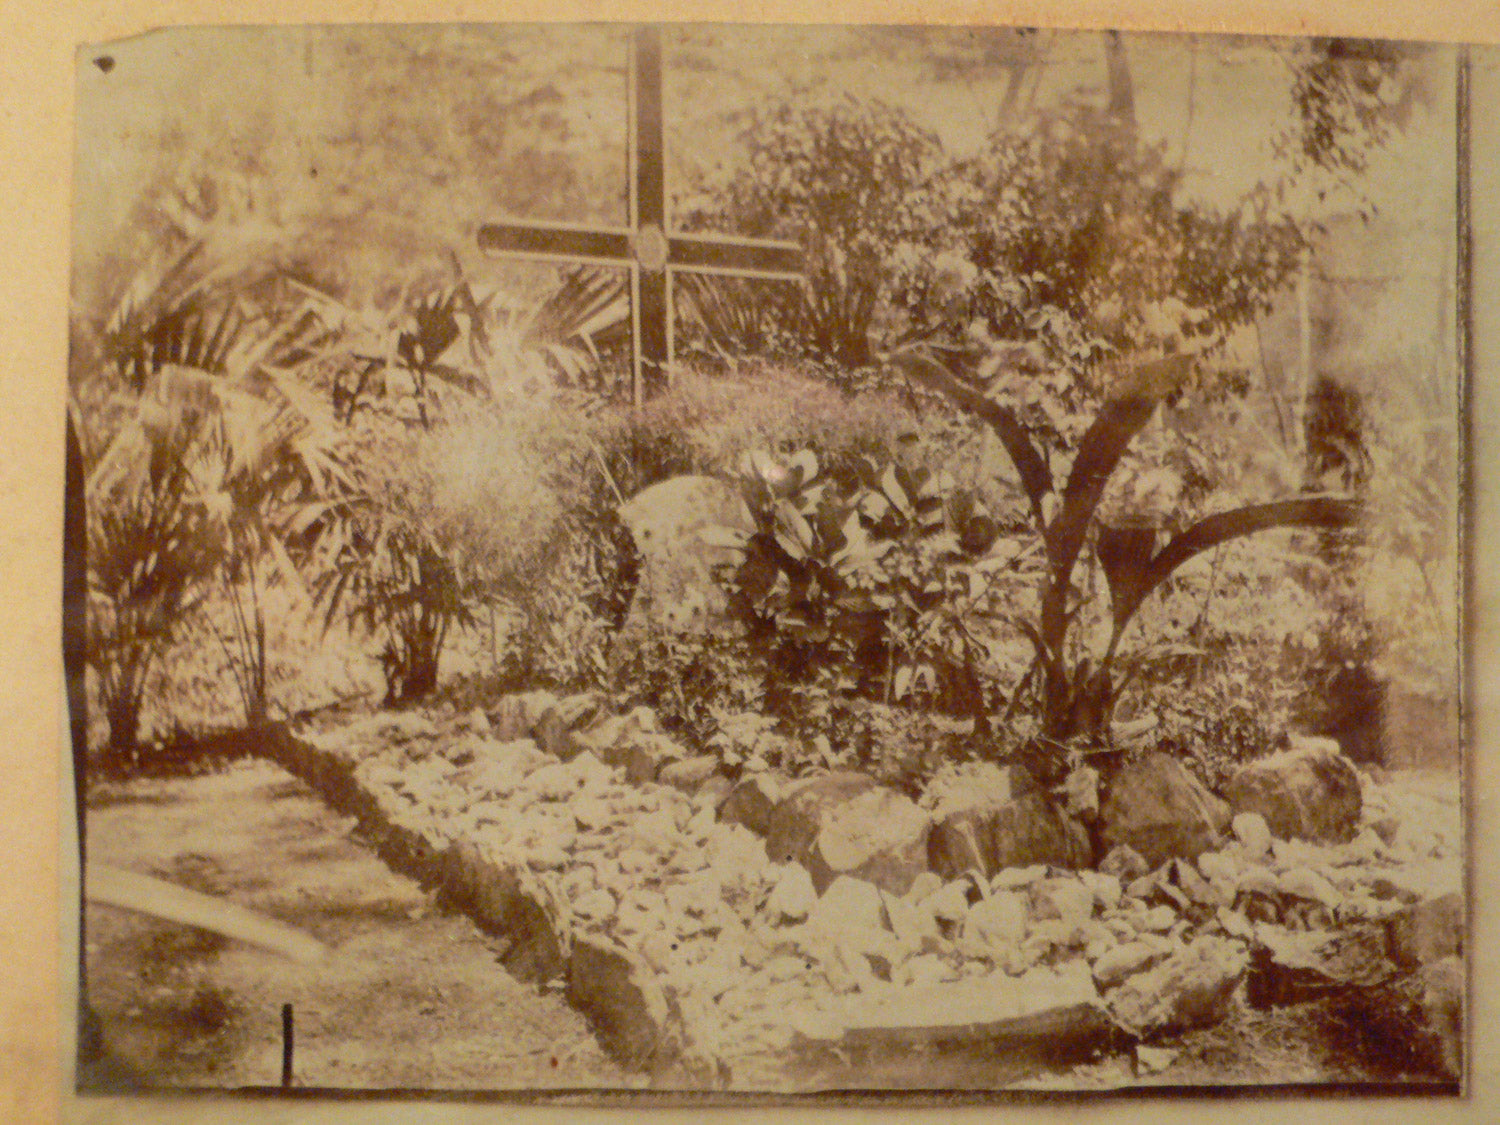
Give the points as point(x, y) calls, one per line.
point(651, 252)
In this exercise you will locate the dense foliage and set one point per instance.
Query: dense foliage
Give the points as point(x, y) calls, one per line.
point(290, 428)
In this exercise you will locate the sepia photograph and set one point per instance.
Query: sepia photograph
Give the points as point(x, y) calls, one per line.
point(766, 563)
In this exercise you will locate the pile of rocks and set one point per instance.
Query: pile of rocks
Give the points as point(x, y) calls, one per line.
point(828, 930)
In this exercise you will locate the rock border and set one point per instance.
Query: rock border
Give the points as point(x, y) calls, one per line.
point(1196, 932)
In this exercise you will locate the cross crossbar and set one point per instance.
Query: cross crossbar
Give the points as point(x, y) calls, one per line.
point(645, 246)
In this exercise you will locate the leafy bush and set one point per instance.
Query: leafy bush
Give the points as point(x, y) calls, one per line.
point(872, 590)
point(572, 607)
point(697, 685)
point(1069, 235)
point(852, 180)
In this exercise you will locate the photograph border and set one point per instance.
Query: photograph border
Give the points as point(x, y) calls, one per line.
point(36, 1056)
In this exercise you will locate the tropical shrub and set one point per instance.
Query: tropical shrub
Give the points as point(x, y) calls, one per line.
point(434, 337)
point(885, 589)
point(390, 565)
point(209, 458)
point(151, 554)
point(394, 578)
point(1076, 690)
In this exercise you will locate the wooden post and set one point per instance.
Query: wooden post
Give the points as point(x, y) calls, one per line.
point(287, 1037)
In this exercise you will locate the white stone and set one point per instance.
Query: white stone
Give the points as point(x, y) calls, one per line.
point(1303, 882)
point(950, 903)
point(1219, 867)
point(927, 969)
point(1254, 835)
point(1257, 880)
point(793, 896)
point(1066, 899)
point(554, 782)
point(1153, 1060)
point(924, 886)
point(1106, 889)
point(1001, 918)
point(1015, 878)
point(1158, 919)
point(596, 905)
point(914, 925)
point(849, 902)
point(1122, 961)
point(1235, 924)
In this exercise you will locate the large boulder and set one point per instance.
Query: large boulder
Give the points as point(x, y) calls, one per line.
point(1192, 988)
point(800, 809)
point(673, 525)
point(1159, 809)
point(1426, 931)
point(939, 1034)
point(846, 824)
point(964, 801)
point(849, 903)
point(1306, 792)
point(987, 817)
point(509, 901)
point(619, 994)
point(1032, 829)
point(1293, 967)
point(752, 801)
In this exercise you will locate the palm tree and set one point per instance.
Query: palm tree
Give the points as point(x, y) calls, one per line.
point(215, 459)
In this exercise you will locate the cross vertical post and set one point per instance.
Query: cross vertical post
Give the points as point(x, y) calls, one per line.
point(648, 205)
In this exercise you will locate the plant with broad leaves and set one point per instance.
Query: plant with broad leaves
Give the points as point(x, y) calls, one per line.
point(884, 588)
point(1076, 690)
point(562, 338)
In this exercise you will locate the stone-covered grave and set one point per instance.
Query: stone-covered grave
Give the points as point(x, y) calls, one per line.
point(830, 932)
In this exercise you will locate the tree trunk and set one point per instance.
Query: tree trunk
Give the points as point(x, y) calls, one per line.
point(123, 714)
point(419, 677)
point(1121, 88)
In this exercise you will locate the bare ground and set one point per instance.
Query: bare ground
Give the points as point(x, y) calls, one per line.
point(412, 998)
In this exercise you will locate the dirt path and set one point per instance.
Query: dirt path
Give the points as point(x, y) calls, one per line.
point(412, 998)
